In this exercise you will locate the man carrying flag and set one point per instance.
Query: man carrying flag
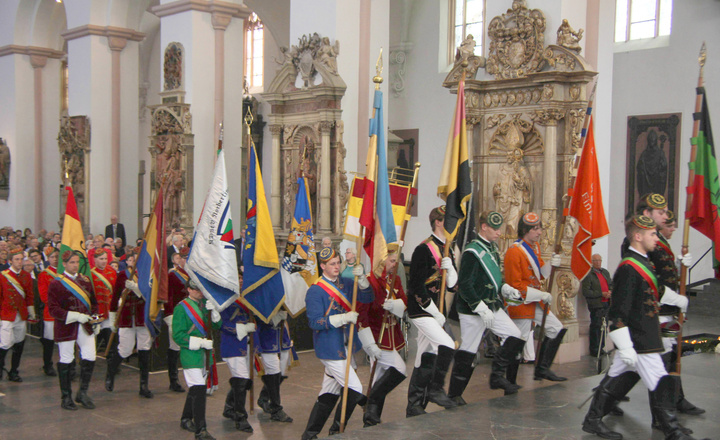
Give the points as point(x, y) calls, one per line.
point(177, 280)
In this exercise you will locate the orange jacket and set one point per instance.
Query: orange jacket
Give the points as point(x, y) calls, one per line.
point(520, 275)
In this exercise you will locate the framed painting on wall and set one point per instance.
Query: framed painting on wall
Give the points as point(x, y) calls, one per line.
point(653, 158)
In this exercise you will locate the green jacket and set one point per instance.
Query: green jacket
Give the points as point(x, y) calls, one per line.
point(183, 329)
point(475, 282)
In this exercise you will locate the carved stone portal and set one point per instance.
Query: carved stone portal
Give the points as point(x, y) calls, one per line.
point(74, 145)
point(307, 135)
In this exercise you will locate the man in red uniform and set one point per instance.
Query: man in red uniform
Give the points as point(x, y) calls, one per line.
point(131, 329)
point(16, 306)
point(48, 339)
point(380, 321)
point(103, 278)
point(71, 303)
point(177, 291)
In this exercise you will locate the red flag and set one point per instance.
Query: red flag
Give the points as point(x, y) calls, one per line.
point(587, 208)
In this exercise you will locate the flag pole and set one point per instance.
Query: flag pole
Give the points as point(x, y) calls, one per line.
point(566, 205)
point(393, 274)
point(377, 79)
point(688, 203)
point(251, 340)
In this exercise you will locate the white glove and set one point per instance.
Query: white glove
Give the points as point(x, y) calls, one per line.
point(623, 342)
point(279, 317)
point(342, 319)
point(207, 344)
point(215, 315)
point(395, 306)
point(132, 285)
point(241, 330)
point(96, 329)
point(250, 327)
point(113, 315)
point(358, 271)
point(485, 313)
point(686, 260)
point(671, 298)
point(433, 310)
point(368, 343)
point(510, 293)
point(76, 317)
point(209, 305)
point(31, 313)
point(451, 276)
point(534, 295)
point(195, 343)
point(556, 260)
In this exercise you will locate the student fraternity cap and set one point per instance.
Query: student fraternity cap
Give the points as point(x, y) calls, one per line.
point(531, 219)
point(655, 201)
point(670, 218)
point(495, 220)
point(99, 252)
point(190, 284)
point(17, 250)
point(327, 254)
point(67, 255)
point(644, 222)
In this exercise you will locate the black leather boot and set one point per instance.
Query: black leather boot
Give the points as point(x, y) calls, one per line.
point(48, 346)
point(436, 393)
point(144, 363)
point(376, 399)
point(505, 357)
point(548, 350)
point(186, 420)
point(198, 409)
point(460, 375)
point(17, 349)
point(319, 415)
point(3, 353)
point(683, 405)
point(354, 398)
point(73, 370)
point(602, 403)
point(86, 371)
point(264, 399)
point(239, 387)
point(662, 405)
point(113, 364)
point(419, 382)
point(65, 387)
point(272, 384)
point(172, 359)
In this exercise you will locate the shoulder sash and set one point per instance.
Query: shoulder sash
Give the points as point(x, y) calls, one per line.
point(77, 291)
point(51, 273)
point(662, 242)
point(181, 276)
point(645, 272)
point(102, 278)
point(15, 283)
point(530, 253)
point(195, 317)
point(488, 262)
point(334, 293)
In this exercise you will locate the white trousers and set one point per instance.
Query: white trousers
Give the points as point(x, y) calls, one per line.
point(528, 353)
point(472, 328)
point(106, 324)
point(430, 336)
point(195, 376)
point(334, 378)
point(172, 344)
point(238, 366)
point(12, 332)
point(127, 338)
point(86, 343)
point(552, 324)
point(274, 363)
point(649, 367)
point(389, 359)
point(49, 330)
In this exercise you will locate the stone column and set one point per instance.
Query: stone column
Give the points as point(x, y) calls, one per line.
point(275, 190)
point(220, 22)
point(38, 62)
point(117, 44)
point(324, 201)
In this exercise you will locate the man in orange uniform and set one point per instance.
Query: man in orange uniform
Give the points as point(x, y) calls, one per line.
point(103, 278)
point(48, 340)
point(524, 270)
point(16, 306)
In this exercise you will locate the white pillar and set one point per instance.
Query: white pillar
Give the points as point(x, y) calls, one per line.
point(275, 192)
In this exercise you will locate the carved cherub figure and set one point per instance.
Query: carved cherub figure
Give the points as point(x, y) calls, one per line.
point(568, 38)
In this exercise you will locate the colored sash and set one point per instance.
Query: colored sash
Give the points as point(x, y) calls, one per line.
point(182, 277)
point(11, 279)
point(102, 278)
point(488, 262)
point(645, 272)
point(76, 290)
point(437, 256)
point(52, 273)
point(666, 247)
point(334, 293)
point(195, 317)
point(127, 274)
point(530, 252)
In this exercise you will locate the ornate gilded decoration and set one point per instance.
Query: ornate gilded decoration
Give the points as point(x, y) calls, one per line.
point(494, 120)
point(515, 134)
point(576, 118)
point(513, 98)
point(547, 239)
point(173, 67)
point(567, 290)
point(74, 144)
point(547, 116)
point(312, 55)
point(568, 38)
point(516, 42)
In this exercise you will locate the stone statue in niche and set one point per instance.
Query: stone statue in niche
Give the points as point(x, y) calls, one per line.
point(328, 54)
point(566, 292)
point(513, 193)
point(466, 49)
point(74, 144)
point(172, 66)
point(169, 173)
point(4, 170)
point(568, 38)
point(652, 166)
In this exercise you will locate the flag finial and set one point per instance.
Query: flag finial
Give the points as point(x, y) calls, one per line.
point(248, 120)
point(377, 79)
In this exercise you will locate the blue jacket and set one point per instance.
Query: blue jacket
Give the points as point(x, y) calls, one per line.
point(329, 341)
point(269, 339)
point(230, 346)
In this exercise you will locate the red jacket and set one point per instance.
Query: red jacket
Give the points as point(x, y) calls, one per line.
point(44, 279)
point(133, 311)
point(11, 301)
point(61, 301)
point(371, 315)
point(176, 289)
point(104, 288)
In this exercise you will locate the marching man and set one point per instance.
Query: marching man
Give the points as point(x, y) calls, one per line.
point(48, 338)
point(177, 280)
point(16, 307)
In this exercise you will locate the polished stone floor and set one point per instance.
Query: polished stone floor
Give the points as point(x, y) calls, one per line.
point(542, 410)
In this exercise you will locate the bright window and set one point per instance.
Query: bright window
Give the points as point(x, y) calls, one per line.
point(642, 19)
point(468, 18)
point(254, 51)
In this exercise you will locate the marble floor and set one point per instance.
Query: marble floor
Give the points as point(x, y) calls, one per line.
point(542, 410)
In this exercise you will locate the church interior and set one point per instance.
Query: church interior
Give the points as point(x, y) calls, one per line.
point(118, 97)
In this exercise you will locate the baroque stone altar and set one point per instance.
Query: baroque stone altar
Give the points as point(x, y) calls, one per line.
point(523, 132)
point(74, 144)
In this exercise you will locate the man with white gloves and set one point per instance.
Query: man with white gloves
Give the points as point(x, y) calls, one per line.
point(330, 310)
point(380, 321)
point(435, 347)
point(192, 326)
point(177, 280)
point(635, 331)
point(524, 270)
point(480, 306)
